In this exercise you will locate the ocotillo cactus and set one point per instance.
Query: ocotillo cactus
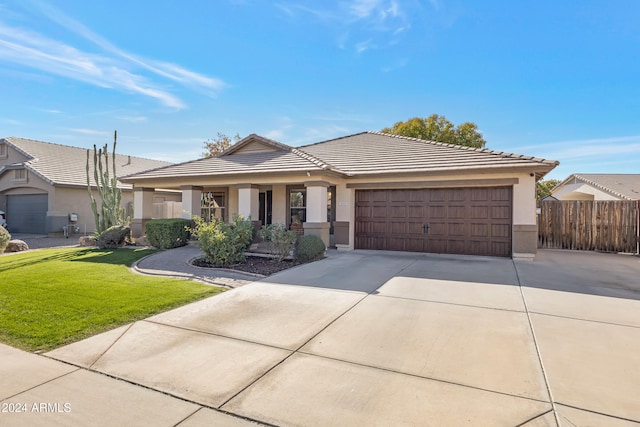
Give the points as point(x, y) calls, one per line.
point(111, 213)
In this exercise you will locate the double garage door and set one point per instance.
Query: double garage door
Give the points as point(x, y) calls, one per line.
point(471, 221)
point(27, 213)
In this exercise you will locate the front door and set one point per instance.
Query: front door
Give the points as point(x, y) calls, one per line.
point(265, 207)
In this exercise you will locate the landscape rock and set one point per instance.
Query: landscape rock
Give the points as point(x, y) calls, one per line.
point(113, 237)
point(142, 241)
point(87, 241)
point(17, 246)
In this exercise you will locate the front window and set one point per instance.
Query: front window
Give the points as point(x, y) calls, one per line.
point(20, 175)
point(298, 207)
point(213, 205)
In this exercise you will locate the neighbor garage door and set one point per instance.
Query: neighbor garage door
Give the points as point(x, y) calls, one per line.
point(27, 213)
point(472, 221)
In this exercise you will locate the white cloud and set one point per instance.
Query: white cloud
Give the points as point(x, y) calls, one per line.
point(364, 8)
point(379, 22)
point(596, 147)
point(114, 68)
point(89, 131)
point(133, 119)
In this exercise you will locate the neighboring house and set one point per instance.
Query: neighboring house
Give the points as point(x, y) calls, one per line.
point(365, 191)
point(42, 183)
point(593, 186)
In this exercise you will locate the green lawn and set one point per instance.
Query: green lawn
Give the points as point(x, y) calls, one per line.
point(52, 297)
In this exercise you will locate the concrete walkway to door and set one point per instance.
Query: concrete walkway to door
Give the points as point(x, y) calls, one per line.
point(366, 338)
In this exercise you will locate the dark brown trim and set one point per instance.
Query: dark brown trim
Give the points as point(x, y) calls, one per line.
point(497, 182)
point(191, 187)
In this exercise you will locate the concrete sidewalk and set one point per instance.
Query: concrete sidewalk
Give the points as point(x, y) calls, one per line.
point(176, 263)
point(364, 338)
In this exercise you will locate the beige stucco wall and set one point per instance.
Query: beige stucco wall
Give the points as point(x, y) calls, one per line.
point(279, 204)
point(581, 191)
point(524, 203)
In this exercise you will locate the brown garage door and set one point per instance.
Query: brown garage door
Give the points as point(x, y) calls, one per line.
point(471, 221)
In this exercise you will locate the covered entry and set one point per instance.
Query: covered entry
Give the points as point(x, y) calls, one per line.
point(27, 213)
point(471, 221)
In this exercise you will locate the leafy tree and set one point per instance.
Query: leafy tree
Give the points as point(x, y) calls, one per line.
point(544, 187)
point(438, 128)
point(213, 147)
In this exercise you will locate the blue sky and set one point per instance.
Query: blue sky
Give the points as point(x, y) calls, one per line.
point(554, 79)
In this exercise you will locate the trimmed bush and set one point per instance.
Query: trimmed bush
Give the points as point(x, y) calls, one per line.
point(4, 239)
point(309, 248)
point(168, 233)
point(224, 244)
point(280, 240)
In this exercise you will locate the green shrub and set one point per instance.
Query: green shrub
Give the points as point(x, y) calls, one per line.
point(168, 233)
point(309, 248)
point(280, 240)
point(4, 239)
point(224, 244)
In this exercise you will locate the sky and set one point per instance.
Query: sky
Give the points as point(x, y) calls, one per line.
point(552, 79)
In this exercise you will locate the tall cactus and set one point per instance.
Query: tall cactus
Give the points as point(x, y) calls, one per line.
point(111, 213)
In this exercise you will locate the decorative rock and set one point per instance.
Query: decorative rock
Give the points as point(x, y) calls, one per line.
point(142, 241)
point(113, 237)
point(87, 241)
point(16, 246)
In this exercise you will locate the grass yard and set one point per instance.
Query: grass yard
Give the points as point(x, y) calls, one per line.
point(52, 297)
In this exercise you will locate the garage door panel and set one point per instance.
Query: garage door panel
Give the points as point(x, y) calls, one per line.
point(501, 212)
point(415, 212)
point(436, 212)
point(456, 229)
point(500, 231)
point(379, 212)
point(456, 212)
point(398, 212)
point(398, 227)
point(479, 212)
point(479, 230)
point(473, 221)
point(27, 213)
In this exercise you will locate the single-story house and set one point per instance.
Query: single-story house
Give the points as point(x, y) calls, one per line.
point(598, 186)
point(42, 183)
point(364, 191)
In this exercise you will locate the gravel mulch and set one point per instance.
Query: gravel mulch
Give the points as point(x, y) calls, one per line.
point(255, 265)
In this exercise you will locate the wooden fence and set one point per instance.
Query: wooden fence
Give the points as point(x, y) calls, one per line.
point(609, 226)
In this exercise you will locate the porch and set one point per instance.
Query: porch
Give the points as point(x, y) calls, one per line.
point(309, 207)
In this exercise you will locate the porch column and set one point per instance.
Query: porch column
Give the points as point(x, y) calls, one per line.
point(142, 209)
point(249, 201)
point(343, 229)
point(525, 221)
point(316, 223)
point(191, 201)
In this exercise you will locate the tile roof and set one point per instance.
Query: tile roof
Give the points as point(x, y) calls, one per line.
point(360, 154)
point(282, 159)
point(378, 153)
point(65, 165)
point(624, 186)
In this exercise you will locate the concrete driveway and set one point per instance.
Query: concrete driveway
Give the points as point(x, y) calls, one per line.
point(367, 338)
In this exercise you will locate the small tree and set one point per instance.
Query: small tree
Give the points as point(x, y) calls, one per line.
point(214, 147)
point(438, 128)
point(110, 213)
point(544, 187)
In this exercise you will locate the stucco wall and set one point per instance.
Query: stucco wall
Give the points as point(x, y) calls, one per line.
point(581, 191)
point(522, 182)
